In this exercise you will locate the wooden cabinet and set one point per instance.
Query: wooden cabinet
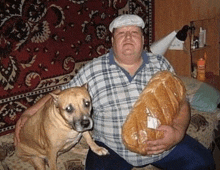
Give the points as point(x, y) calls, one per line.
point(213, 80)
point(211, 48)
point(173, 15)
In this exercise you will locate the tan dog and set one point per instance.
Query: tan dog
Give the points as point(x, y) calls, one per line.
point(57, 127)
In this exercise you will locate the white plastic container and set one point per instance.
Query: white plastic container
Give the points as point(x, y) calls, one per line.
point(204, 37)
point(201, 38)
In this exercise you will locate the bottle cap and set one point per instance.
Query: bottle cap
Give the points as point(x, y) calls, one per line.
point(201, 61)
point(200, 29)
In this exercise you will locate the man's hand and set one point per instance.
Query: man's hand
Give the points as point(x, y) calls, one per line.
point(171, 138)
point(172, 134)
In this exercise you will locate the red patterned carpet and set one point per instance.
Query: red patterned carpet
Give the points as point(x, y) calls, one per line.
point(41, 42)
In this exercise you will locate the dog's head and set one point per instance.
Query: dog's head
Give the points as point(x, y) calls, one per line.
point(74, 105)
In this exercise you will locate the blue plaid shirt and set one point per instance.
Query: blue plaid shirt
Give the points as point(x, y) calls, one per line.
point(113, 92)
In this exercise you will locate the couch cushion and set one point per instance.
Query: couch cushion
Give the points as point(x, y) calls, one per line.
point(201, 96)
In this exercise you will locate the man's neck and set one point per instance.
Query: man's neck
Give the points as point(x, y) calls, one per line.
point(130, 67)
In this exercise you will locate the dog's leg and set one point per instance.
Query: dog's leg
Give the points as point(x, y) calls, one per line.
point(95, 148)
point(28, 155)
point(37, 163)
point(52, 158)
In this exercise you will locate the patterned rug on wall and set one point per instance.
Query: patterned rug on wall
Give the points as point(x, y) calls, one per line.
point(43, 43)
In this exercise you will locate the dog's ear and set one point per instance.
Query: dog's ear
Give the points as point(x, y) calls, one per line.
point(85, 85)
point(55, 98)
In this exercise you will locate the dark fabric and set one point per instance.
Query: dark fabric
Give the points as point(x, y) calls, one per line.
point(109, 162)
point(187, 155)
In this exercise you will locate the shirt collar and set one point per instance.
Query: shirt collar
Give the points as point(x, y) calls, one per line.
point(112, 60)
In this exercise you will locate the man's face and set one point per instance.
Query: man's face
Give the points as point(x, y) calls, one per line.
point(127, 42)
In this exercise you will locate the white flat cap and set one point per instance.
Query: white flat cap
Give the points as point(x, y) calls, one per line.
point(125, 20)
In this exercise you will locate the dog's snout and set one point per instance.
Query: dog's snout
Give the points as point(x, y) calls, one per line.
point(83, 124)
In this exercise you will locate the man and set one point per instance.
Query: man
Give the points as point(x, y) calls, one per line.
point(115, 81)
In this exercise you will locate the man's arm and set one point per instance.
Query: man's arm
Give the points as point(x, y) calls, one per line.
point(181, 122)
point(172, 134)
point(29, 112)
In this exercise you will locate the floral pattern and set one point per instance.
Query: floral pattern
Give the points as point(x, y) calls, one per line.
point(41, 43)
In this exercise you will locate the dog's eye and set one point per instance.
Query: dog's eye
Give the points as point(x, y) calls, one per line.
point(69, 109)
point(87, 103)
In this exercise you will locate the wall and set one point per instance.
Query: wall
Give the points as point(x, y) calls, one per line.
point(173, 15)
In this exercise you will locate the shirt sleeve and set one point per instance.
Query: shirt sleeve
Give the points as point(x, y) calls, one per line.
point(165, 64)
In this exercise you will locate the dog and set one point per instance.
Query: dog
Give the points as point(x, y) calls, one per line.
point(57, 127)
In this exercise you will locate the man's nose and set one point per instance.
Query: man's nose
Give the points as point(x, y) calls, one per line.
point(128, 34)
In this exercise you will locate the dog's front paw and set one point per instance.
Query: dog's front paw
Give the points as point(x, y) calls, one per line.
point(101, 151)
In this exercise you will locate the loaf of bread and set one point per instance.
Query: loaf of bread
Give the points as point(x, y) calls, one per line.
point(157, 105)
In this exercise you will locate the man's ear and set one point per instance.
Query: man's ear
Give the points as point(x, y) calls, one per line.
point(55, 99)
point(112, 39)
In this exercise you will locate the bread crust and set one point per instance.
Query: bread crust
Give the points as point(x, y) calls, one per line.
point(158, 104)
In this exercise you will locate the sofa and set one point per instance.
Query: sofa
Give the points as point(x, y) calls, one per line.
point(43, 44)
point(203, 126)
